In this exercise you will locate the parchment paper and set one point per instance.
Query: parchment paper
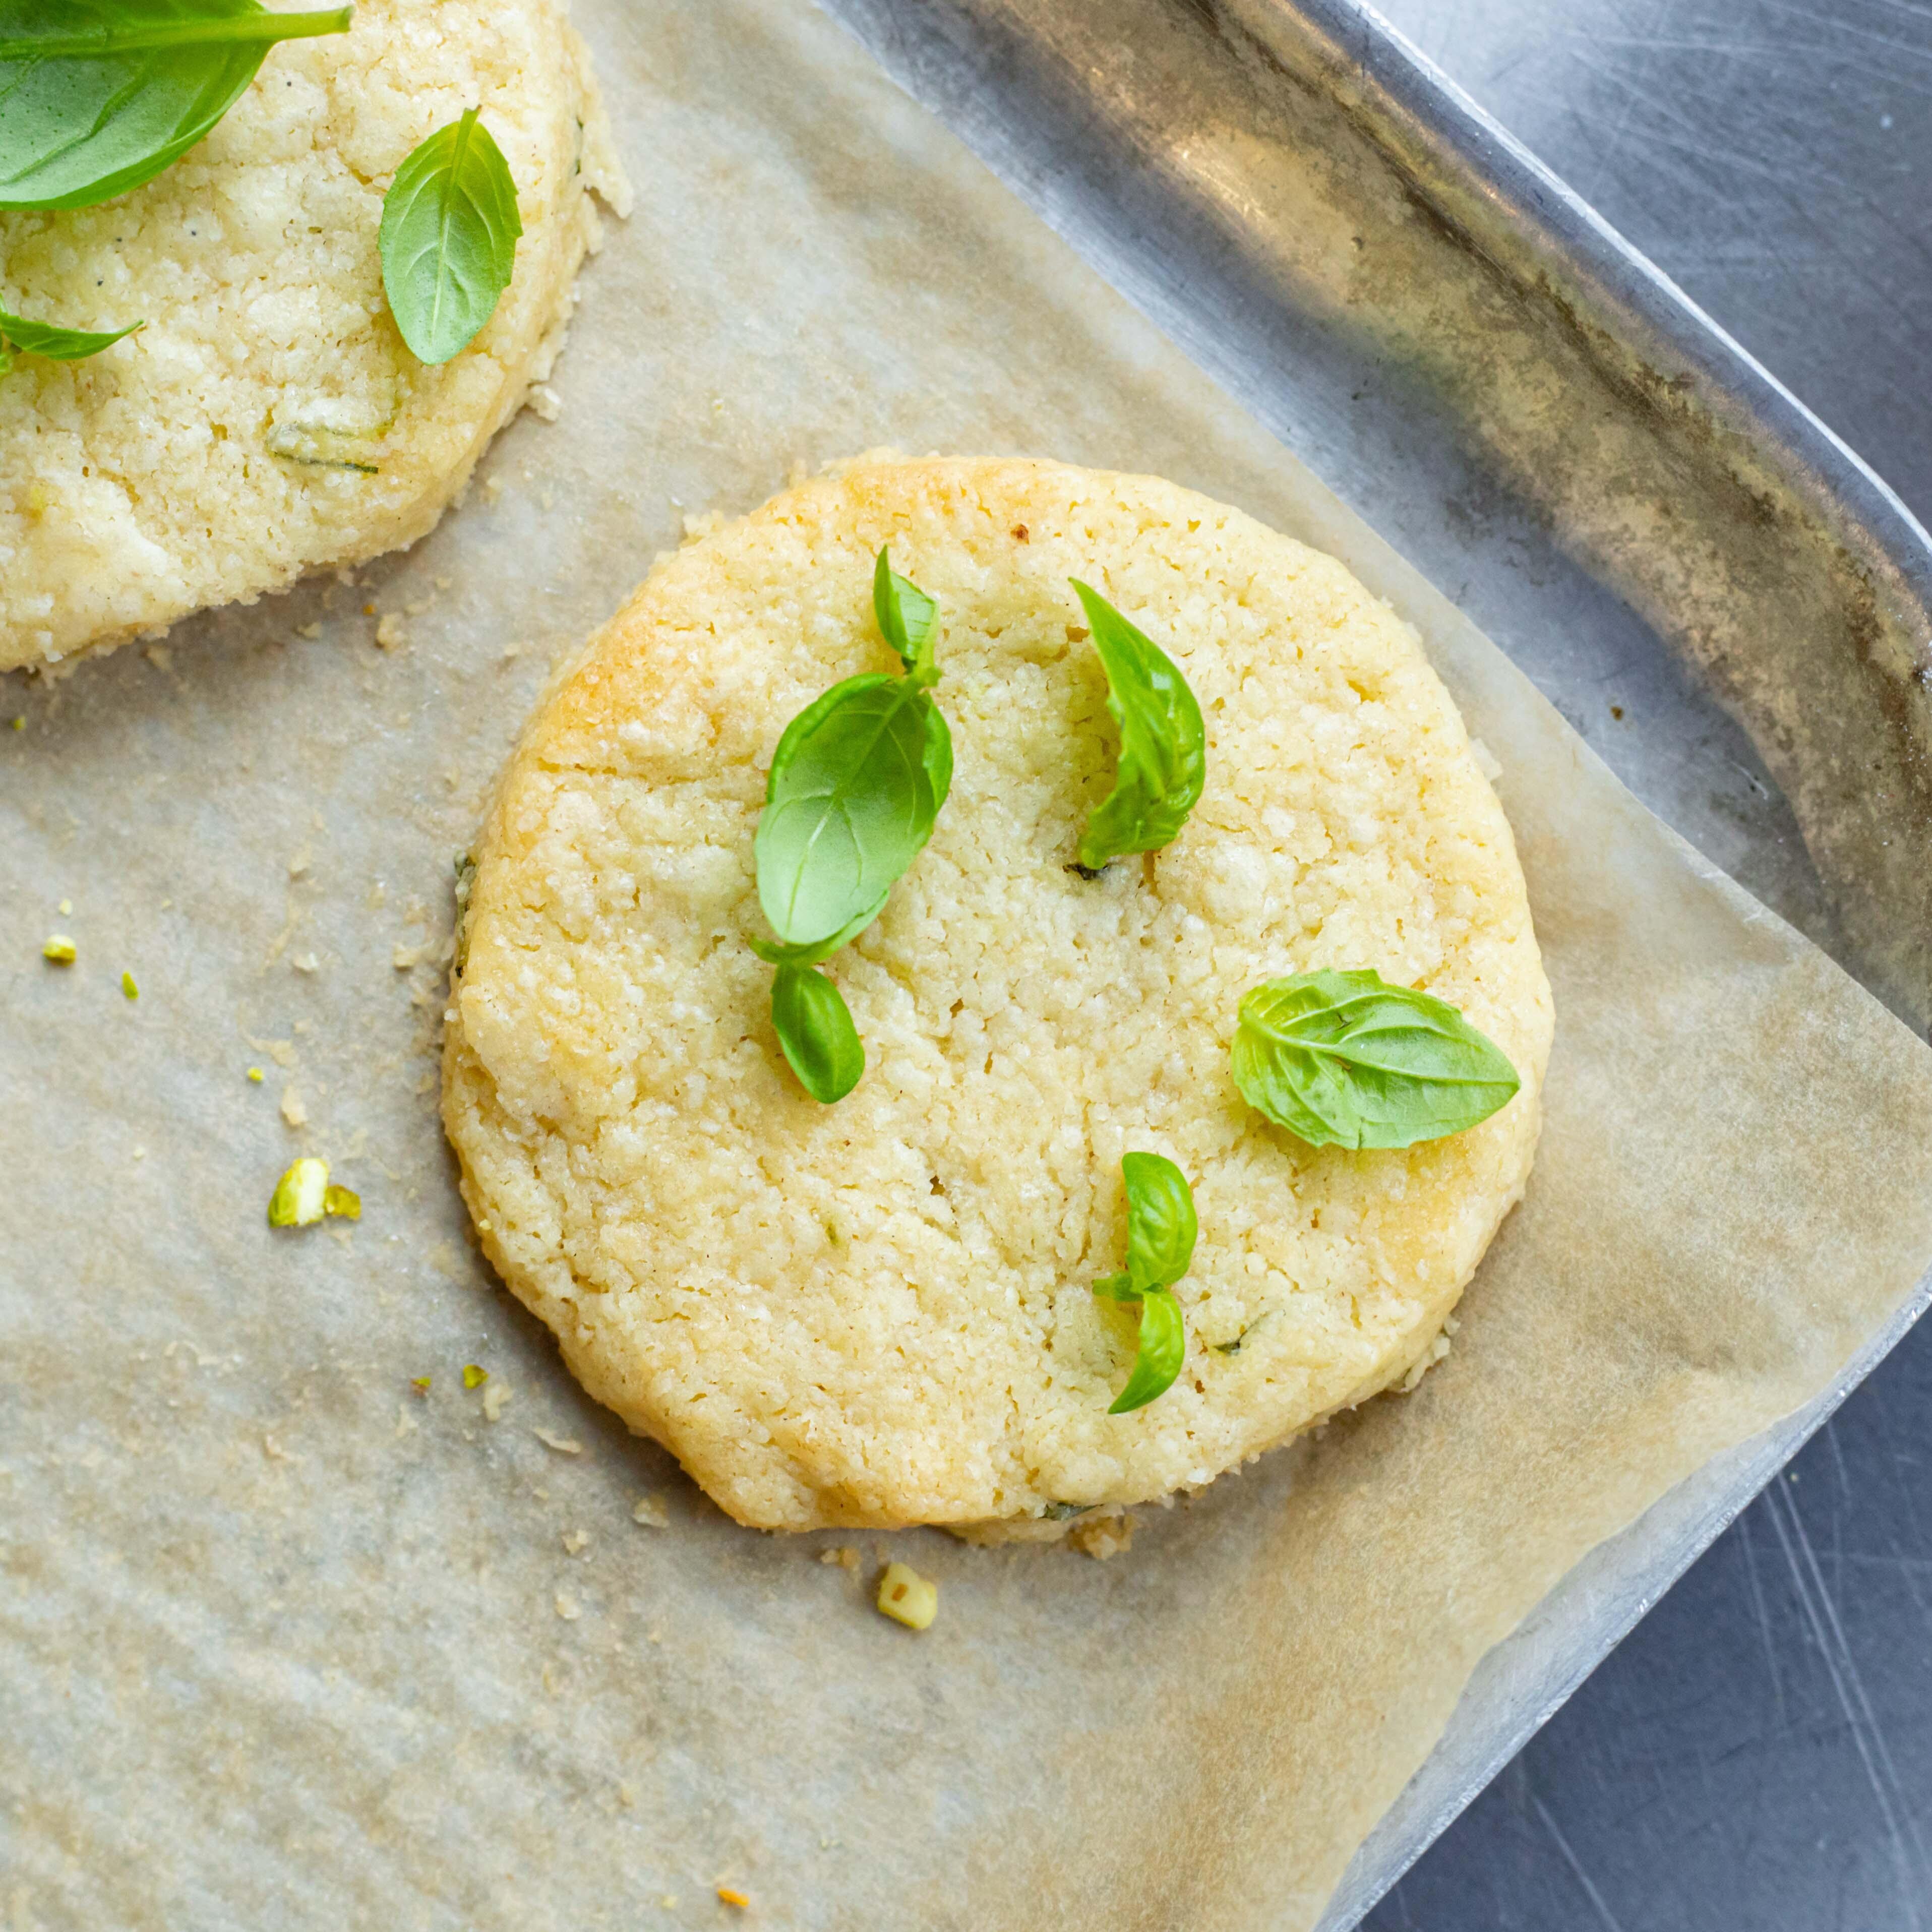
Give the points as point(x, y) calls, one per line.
point(283, 1644)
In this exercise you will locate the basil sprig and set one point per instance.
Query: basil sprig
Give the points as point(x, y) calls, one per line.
point(448, 239)
point(815, 1026)
point(1163, 761)
point(1346, 1059)
point(1161, 1231)
point(98, 96)
point(908, 620)
point(854, 790)
point(19, 336)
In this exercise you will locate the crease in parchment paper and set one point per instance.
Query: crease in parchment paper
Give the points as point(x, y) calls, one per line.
point(286, 1639)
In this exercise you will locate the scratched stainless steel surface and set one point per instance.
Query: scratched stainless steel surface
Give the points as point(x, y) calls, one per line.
point(1758, 1754)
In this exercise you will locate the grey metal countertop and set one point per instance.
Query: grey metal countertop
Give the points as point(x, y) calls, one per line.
point(1757, 1755)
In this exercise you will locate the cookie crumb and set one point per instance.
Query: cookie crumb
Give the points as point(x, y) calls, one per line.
point(567, 1607)
point(495, 1396)
point(843, 1554)
point(649, 1511)
point(564, 1445)
point(293, 1111)
point(1108, 1536)
point(1429, 1357)
point(300, 1198)
point(907, 1598)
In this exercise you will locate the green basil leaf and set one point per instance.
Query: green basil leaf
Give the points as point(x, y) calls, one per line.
point(814, 1028)
point(1161, 1231)
point(908, 620)
point(1161, 1225)
point(98, 96)
point(448, 239)
point(1163, 1347)
point(57, 345)
point(1163, 761)
point(855, 786)
point(1346, 1059)
point(777, 953)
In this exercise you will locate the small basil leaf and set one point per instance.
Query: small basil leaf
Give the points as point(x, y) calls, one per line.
point(855, 787)
point(57, 345)
point(1161, 1231)
point(98, 96)
point(1163, 761)
point(815, 1029)
point(1346, 1059)
point(448, 239)
point(908, 620)
point(1161, 1223)
point(1163, 1347)
point(776, 953)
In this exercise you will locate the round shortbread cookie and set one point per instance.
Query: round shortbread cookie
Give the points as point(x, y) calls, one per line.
point(268, 419)
point(880, 1312)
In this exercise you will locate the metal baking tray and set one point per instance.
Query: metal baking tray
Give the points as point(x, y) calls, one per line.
point(1728, 604)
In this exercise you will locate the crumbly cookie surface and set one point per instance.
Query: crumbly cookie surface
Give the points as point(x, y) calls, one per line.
point(880, 1312)
point(268, 419)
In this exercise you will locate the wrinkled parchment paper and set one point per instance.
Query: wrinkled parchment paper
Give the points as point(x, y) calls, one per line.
point(284, 1643)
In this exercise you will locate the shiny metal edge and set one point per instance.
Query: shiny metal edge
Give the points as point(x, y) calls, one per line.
point(1535, 1669)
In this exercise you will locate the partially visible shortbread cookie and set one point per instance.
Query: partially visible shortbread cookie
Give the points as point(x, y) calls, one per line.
point(268, 419)
point(881, 1312)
